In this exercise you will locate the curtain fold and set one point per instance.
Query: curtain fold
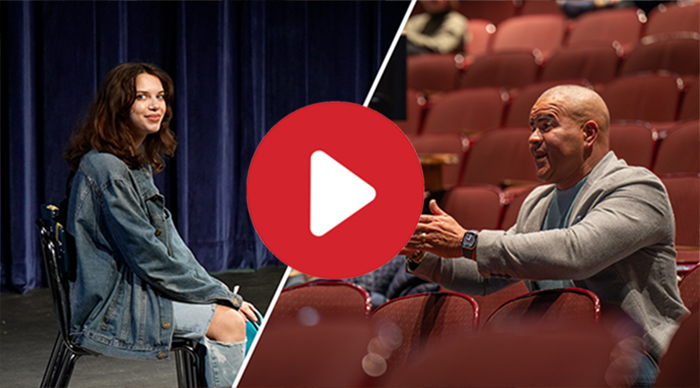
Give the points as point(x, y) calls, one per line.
point(238, 67)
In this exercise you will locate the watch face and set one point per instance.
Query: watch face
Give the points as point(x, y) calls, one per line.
point(469, 240)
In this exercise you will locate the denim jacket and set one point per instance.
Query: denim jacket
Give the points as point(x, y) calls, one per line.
point(130, 262)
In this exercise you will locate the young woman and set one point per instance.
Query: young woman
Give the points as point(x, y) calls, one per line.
point(136, 284)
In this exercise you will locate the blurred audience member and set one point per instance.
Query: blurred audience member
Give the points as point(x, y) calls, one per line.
point(440, 29)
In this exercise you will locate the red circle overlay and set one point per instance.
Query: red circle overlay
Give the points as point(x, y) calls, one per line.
point(367, 144)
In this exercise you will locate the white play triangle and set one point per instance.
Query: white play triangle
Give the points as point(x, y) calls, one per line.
point(336, 193)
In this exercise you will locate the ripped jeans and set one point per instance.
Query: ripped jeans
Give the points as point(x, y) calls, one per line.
point(224, 359)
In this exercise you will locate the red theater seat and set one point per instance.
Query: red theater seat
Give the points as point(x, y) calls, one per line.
point(679, 152)
point(418, 319)
point(327, 354)
point(677, 54)
point(540, 34)
point(489, 303)
point(474, 206)
point(500, 158)
point(617, 28)
point(595, 64)
point(432, 72)
point(505, 70)
point(534, 358)
point(480, 31)
point(648, 97)
point(328, 298)
point(684, 193)
point(546, 307)
point(690, 104)
point(538, 7)
point(635, 142)
point(514, 202)
point(690, 288)
point(468, 111)
point(680, 366)
point(670, 17)
point(415, 107)
point(443, 143)
point(495, 11)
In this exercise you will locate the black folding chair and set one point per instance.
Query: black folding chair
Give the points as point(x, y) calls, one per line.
point(189, 357)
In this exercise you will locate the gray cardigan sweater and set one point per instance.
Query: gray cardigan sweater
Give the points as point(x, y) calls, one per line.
point(619, 244)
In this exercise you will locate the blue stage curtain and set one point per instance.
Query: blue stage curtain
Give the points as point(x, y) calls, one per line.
point(238, 67)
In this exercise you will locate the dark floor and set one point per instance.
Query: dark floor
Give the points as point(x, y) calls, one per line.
point(28, 330)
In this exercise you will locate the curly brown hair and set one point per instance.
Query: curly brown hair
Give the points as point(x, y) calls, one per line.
point(106, 127)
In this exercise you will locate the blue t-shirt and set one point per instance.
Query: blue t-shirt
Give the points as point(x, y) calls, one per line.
point(558, 215)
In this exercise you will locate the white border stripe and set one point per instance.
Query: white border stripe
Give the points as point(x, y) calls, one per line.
point(389, 53)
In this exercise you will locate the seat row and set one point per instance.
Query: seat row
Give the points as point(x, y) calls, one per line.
point(597, 46)
point(663, 16)
point(433, 73)
point(660, 98)
point(443, 333)
point(654, 125)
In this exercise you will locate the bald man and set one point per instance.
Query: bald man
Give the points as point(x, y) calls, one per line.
point(601, 223)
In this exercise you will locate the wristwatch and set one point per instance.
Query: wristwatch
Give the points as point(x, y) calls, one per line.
point(469, 243)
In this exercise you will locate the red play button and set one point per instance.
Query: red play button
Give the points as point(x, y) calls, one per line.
point(335, 190)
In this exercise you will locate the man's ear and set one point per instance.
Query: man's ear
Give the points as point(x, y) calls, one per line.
point(590, 132)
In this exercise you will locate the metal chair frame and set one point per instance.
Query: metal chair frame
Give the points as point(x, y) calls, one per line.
point(188, 355)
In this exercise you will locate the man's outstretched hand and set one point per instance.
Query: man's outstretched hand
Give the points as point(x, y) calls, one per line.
point(438, 233)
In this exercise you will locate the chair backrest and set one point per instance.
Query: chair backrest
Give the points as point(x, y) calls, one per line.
point(500, 155)
point(441, 143)
point(474, 206)
point(537, 7)
point(54, 248)
point(598, 65)
point(495, 11)
point(480, 32)
point(690, 288)
point(489, 303)
point(690, 105)
point(676, 54)
point(570, 356)
point(415, 106)
point(648, 97)
point(547, 307)
point(425, 317)
point(506, 70)
point(679, 365)
point(514, 202)
point(668, 18)
point(620, 27)
point(540, 33)
point(679, 151)
point(310, 300)
point(468, 111)
point(432, 72)
point(330, 353)
point(684, 194)
point(634, 141)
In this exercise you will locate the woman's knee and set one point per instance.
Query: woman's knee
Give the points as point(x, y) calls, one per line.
point(228, 325)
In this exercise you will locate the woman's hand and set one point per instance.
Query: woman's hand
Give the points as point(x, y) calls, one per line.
point(248, 311)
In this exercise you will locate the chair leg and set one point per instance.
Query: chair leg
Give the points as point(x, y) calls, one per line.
point(49, 379)
point(185, 368)
point(66, 372)
point(60, 367)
